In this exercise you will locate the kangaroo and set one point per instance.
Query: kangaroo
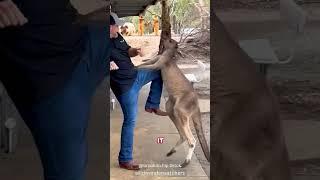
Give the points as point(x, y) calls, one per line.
point(249, 142)
point(182, 104)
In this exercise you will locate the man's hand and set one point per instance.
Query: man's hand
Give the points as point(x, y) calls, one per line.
point(10, 15)
point(113, 66)
point(135, 52)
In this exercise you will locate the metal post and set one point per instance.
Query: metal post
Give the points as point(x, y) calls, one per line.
point(263, 68)
point(113, 101)
point(1, 124)
point(11, 131)
point(2, 117)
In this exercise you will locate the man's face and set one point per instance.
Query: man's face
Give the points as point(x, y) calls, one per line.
point(114, 29)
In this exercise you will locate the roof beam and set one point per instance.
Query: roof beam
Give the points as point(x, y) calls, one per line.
point(132, 7)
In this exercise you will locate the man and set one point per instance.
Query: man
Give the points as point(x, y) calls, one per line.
point(51, 66)
point(126, 82)
point(155, 25)
point(141, 25)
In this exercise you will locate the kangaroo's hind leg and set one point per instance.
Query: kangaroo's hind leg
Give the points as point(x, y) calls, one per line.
point(182, 118)
point(169, 109)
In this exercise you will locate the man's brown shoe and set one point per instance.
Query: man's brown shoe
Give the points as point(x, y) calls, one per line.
point(157, 111)
point(129, 165)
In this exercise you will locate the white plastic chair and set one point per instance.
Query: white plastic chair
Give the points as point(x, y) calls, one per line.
point(261, 51)
point(2, 122)
point(194, 77)
point(294, 15)
point(112, 100)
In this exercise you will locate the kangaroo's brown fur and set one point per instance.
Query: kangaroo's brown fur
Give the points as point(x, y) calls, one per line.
point(248, 136)
point(182, 105)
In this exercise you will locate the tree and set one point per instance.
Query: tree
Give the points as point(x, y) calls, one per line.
point(166, 26)
point(183, 14)
point(204, 13)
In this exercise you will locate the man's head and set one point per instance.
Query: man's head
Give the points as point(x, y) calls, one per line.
point(115, 22)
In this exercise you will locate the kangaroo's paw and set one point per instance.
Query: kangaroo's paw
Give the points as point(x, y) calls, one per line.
point(145, 60)
point(172, 151)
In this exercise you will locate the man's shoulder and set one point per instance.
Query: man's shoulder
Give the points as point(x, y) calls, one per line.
point(120, 41)
point(120, 38)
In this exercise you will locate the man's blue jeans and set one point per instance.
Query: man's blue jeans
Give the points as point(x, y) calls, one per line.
point(58, 123)
point(129, 106)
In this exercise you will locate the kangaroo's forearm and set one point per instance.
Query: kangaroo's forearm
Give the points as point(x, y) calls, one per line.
point(153, 67)
point(150, 61)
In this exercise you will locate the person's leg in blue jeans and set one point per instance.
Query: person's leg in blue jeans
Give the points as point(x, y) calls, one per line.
point(129, 106)
point(58, 123)
point(145, 76)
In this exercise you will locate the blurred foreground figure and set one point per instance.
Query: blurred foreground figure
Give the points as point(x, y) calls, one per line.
point(248, 139)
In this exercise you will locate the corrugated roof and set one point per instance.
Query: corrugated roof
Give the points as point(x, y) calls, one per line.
point(125, 8)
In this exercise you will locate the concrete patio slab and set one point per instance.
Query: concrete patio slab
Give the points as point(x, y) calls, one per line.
point(147, 152)
point(301, 138)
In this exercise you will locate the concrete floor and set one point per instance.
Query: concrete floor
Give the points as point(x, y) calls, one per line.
point(146, 151)
point(25, 163)
point(301, 139)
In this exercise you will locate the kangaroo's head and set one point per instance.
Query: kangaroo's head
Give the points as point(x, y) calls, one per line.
point(170, 44)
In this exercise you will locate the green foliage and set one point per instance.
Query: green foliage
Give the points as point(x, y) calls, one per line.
point(185, 12)
point(133, 19)
point(207, 2)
